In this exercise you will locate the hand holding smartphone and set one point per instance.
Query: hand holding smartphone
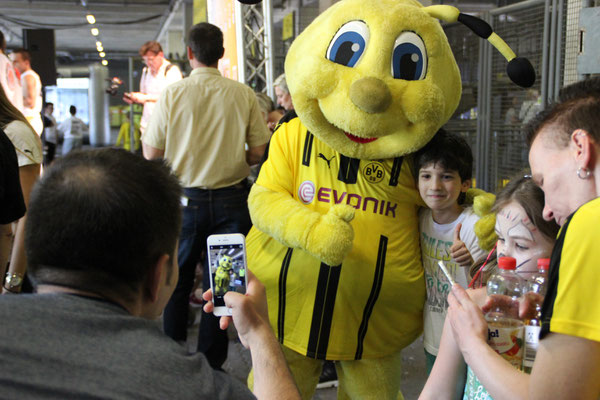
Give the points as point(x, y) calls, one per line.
point(227, 266)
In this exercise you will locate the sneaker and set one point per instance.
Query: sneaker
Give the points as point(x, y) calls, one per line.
point(328, 376)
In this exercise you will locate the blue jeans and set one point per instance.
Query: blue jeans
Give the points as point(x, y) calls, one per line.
point(207, 212)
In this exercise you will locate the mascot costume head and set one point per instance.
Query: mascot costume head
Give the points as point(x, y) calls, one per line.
point(376, 79)
point(335, 237)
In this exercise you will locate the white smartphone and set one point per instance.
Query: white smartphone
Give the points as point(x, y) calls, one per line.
point(227, 260)
point(445, 271)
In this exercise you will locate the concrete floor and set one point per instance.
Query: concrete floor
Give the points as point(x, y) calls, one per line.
point(238, 363)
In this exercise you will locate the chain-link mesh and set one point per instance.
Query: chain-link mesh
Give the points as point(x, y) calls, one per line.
point(570, 47)
point(465, 46)
point(510, 107)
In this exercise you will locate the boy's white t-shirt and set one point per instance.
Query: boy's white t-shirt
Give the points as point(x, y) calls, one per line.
point(436, 240)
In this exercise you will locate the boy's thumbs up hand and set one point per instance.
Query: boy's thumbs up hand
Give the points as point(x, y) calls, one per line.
point(458, 251)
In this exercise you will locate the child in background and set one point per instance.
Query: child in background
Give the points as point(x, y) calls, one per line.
point(443, 170)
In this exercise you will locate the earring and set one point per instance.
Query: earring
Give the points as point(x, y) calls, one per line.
point(587, 172)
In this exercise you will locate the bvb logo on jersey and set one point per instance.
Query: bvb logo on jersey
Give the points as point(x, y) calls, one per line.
point(374, 172)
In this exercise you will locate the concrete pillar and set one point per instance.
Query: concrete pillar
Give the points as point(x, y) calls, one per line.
point(98, 103)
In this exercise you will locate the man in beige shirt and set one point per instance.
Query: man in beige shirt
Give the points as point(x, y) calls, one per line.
point(210, 130)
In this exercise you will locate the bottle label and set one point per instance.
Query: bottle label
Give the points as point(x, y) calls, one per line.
point(532, 335)
point(508, 342)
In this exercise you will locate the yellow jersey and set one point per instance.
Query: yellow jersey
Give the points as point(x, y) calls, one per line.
point(371, 305)
point(572, 303)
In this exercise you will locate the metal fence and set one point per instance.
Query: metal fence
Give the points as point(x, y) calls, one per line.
point(493, 124)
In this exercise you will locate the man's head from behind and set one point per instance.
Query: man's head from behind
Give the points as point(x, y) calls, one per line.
point(205, 44)
point(21, 59)
point(99, 221)
point(73, 110)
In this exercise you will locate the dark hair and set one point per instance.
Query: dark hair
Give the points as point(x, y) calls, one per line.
point(577, 107)
point(524, 191)
point(99, 220)
point(151, 45)
point(73, 110)
point(48, 104)
point(450, 150)
point(206, 42)
point(2, 42)
point(25, 54)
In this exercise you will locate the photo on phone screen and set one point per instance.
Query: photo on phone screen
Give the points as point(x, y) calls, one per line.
point(227, 268)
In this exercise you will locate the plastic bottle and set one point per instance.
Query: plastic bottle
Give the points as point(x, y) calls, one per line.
point(505, 329)
point(537, 285)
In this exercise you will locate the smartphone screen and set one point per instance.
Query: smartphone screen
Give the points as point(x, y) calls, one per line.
point(228, 270)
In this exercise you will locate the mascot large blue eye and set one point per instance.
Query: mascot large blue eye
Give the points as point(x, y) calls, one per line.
point(349, 43)
point(409, 58)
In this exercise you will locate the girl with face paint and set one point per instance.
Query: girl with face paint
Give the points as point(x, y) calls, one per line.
point(522, 234)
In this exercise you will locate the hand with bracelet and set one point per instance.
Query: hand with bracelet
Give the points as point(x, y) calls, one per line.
point(12, 283)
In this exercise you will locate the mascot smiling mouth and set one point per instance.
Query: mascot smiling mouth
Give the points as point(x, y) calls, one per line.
point(359, 139)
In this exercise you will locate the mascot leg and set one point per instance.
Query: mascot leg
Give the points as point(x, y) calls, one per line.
point(306, 372)
point(377, 378)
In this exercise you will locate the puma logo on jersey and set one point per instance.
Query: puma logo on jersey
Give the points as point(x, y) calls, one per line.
point(325, 158)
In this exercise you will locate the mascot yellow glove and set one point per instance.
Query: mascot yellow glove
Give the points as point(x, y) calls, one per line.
point(327, 237)
point(484, 228)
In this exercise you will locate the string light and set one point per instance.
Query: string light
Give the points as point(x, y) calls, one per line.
point(100, 48)
point(95, 31)
point(98, 43)
point(90, 19)
point(102, 54)
point(104, 62)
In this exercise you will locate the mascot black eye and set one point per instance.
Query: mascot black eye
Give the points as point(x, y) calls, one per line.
point(349, 43)
point(409, 58)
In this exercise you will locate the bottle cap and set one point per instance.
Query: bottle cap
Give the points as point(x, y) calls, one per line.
point(507, 263)
point(543, 264)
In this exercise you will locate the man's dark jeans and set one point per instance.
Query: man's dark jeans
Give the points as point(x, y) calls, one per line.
point(207, 212)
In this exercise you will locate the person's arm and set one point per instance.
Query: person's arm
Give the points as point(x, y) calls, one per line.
point(258, 134)
point(29, 94)
point(566, 367)
point(449, 367)
point(28, 174)
point(6, 239)
point(459, 251)
point(140, 98)
point(501, 380)
point(272, 377)
point(155, 136)
point(254, 154)
point(151, 153)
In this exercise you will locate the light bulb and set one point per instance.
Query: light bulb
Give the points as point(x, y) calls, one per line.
point(91, 19)
point(95, 31)
point(104, 62)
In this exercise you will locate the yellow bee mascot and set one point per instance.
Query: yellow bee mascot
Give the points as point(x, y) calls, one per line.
point(335, 237)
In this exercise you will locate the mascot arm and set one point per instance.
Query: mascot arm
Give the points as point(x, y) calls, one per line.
point(484, 228)
point(326, 236)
